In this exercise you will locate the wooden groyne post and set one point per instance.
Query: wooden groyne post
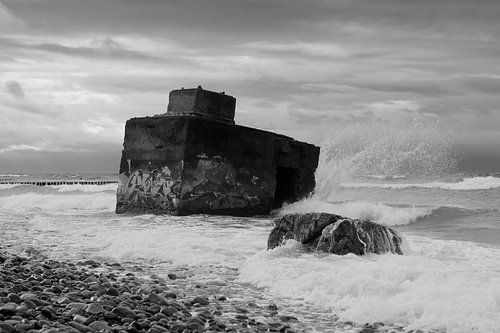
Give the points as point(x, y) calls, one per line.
point(58, 182)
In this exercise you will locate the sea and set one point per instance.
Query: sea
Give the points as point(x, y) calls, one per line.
point(448, 279)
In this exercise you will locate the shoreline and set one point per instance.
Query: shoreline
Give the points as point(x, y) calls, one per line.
point(39, 294)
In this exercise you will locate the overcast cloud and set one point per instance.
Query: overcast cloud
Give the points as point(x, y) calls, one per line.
point(72, 72)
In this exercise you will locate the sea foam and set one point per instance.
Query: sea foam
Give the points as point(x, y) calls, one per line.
point(376, 212)
point(85, 188)
point(365, 150)
point(195, 240)
point(30, 201)
point(446, 285)
point(467, 184)
point(8, 186)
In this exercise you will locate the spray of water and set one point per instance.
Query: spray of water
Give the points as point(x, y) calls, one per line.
point(412, 150)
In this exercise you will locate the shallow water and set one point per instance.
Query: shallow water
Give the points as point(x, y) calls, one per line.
point(448, 280)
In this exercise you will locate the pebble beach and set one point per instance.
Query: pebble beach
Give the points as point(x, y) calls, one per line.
point(44, 295)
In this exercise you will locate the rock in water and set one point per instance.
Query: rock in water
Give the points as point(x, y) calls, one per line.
point(358, 237)
point(335, 234)
point(303, 228)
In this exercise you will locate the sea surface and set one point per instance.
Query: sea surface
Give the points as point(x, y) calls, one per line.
point(447, 281)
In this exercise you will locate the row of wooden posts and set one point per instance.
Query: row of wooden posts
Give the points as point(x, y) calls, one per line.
point(59, 182)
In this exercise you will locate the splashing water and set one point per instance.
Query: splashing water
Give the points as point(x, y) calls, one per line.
point(360, 150)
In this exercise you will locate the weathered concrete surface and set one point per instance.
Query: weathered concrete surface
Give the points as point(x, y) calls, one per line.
point(202, 103)
point(335, 234)
point(186, 162)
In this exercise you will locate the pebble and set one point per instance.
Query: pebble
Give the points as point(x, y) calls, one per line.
point(80, 327)
point(168, 311)
point(201, 300)
point(8, 309)
point(14, 298)
point(99, 325)
point(21, 310)
point(38, 295)
point(154, 298)
point(112, 292)
point(170, 295)
point(178, 327)
point(29, 304)
point(94, 308)
point(76, 306)
point(157, 329)
point(124, 312)
point(7, 328)
point(79, 318)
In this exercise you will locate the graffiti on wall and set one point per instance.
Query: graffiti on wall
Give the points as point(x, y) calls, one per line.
point(206, 183)
point(215, 183)
point(157, 188)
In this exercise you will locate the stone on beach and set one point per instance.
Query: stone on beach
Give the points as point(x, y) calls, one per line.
point(335, 234)
point(42, 295)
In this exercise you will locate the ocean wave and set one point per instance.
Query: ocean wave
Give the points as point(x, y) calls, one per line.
point(25, 202)
point(63, 188)
point(448, 286)
point(85, 188)
point(184, 241)
point(377, 212)
point(385, 176)
point(467, 184)
point(381, 150)
point(8, 186)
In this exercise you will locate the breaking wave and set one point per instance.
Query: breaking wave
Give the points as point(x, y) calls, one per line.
point(8, 186)
point(58, 202)
point(65, 188)
point(467, 184)
point(387, 214)
point(85, 188)
point(364, 150)
point(377, 212)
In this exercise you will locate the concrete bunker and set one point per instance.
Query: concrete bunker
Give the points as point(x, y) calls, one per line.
point(194, 159)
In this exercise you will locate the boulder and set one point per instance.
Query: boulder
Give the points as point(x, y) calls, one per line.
point(335, 234)
point(304, 228)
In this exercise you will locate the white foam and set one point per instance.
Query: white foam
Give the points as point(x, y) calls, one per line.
point(467, 184)
point(70, 188)
point(8, 186)
point(185, 241)
point(386, 176)
point(377, 212)
point(58, 202)
point(85, 188)
point(445, 285)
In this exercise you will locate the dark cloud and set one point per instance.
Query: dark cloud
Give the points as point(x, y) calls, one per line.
point(431, 89)
point(112, 51)
point(108, 49)
point(301, 67)
point(15, 89)
point(485, 85)
point(285, 20)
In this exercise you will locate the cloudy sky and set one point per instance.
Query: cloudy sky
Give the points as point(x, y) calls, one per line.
point(73, 71)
